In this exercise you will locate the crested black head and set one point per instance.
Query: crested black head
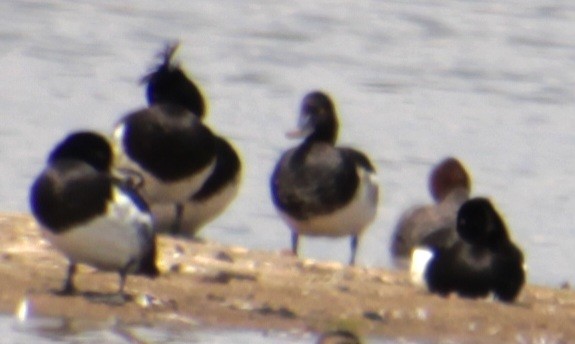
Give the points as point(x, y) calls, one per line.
point(317, 121)
point(86, 146)
point(478, 223)
point(168, 83)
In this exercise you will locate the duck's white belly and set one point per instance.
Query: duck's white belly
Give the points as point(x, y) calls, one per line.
point(107, 243)
point(198, 213)
point(351, 219)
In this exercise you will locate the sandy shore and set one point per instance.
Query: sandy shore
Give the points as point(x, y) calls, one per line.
point(208, 284)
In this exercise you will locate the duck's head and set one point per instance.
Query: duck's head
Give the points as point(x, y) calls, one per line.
point(478, 223)
point(169, 84)
point(447, 176)
point(87, 146)
point(317, 119)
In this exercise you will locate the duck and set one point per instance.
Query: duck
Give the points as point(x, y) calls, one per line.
point(91, 215)
point(166, 143)
point(168, 83)
point(433, 224)
point(319, 189)
point(483, 261)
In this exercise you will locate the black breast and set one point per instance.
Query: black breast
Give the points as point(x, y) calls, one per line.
point(313, 179)
point(474, 271)
point(461, 268)
point(168, 142)
point(69, 193)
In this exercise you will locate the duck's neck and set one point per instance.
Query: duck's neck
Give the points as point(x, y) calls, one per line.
point(326, 133)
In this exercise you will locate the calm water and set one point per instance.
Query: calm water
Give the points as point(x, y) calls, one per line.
point(52, 331)
point(491, 83)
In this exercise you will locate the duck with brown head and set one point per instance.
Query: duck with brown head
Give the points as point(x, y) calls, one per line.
point(433, 224)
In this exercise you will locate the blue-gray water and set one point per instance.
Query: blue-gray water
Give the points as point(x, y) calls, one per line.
point(489, 82)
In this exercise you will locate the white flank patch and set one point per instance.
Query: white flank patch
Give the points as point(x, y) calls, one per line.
point(107, 242)
point(154, 190)
point(420, 258)
point(352, 219)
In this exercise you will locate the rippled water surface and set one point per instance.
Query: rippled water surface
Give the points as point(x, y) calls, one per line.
point(489, 82)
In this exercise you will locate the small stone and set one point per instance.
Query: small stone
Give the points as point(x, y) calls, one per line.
point(176, 268)
point(283, 312)
point(216, 298)
point(343, 288)
point(143, 300)
point(397, 314)
point(224, 257)
point(421, 314)
point(286, 313)
point(178, 251)
point(221, 277)
point(374, 316)
point(241, 305)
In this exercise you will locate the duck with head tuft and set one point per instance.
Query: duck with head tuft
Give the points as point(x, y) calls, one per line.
point(168, 84)
point(91, 216)
point(484, 260)
point(318, 188)
point(166, 143)
point(434, 224)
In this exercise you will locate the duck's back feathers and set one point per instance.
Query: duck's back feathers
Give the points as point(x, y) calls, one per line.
point(69, 193)
point(85, 146)
point(440, 238)
point(167, 141)
point(359, 158)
